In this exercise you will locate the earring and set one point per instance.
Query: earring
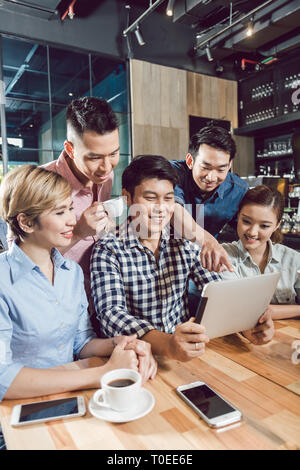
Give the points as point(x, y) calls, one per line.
point(69, 150)
point(189, 160)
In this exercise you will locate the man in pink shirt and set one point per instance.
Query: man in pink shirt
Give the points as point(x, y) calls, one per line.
point(90, 154)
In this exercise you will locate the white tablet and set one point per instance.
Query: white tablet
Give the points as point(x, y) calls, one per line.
point(232, 306)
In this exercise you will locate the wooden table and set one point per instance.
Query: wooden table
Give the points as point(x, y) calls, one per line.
point(260, 381)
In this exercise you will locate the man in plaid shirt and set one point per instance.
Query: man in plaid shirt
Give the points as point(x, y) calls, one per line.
point(140, 273)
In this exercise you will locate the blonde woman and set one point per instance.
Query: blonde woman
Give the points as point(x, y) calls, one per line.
point(259, 249)
point(43, 306)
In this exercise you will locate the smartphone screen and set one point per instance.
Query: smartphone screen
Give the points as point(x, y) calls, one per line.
point(207, 401)
point(48, 409)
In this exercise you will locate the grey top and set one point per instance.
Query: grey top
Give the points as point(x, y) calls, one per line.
point(281, 258)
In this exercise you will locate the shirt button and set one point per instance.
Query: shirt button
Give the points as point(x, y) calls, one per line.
point(56, 303)
point(62, 346)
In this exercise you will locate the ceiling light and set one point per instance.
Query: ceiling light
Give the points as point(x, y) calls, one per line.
point(208, 54)
point(139, 36)
point(170, 8)
point(219, 68)
point(250, 28)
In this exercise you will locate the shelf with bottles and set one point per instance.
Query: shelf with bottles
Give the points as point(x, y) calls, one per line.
point(274, 148)
point(290, 223)
point(269, 97)
point(262, 91)
point(291, 81)
point(294, 193)
point(258, 127)
point(283, 167)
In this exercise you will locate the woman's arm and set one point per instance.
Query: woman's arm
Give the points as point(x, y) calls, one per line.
point(30, 382)
point(281, 312)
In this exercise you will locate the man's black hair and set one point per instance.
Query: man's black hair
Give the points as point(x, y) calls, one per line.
point(91, 114)
point(216, 137)
point(145, 167)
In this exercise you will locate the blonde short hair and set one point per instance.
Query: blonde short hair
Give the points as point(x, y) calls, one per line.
point(30, 190)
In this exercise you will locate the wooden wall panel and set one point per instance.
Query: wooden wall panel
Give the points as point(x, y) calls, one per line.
point(159, 114)
point(212, 97)
point(162, 99)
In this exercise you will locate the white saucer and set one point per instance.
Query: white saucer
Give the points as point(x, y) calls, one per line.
point(142, 407)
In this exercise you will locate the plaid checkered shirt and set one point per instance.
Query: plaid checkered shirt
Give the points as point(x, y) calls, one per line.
point(134, 293)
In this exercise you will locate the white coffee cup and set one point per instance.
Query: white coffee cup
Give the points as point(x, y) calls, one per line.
point(117, 395)
point(114, 207)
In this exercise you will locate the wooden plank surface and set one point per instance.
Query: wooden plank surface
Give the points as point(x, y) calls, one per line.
point(273, 360)
point(271, 412)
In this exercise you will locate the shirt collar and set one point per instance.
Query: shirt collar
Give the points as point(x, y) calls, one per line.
point(272, 256)
point(222, 188)
point(64, 170)
point(126, 232)
point(20, 264)
point(219, 191)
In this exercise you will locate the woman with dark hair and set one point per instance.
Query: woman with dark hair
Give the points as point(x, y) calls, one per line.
point(259, 249)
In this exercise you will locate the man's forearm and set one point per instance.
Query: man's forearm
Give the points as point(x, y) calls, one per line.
point(213, 256)
point(160, 342)
point(185, 225)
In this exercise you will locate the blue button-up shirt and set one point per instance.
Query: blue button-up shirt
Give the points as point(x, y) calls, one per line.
point(3, 233)
point(41, 325)
point(219, 208)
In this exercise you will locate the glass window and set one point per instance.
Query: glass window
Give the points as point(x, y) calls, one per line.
point(36, 120)
point(59, 127)
point(25, 120)
point(25, 70)
point(69, 75)
point(109, 82)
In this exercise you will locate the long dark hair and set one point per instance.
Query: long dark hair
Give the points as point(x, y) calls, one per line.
point(265, 196)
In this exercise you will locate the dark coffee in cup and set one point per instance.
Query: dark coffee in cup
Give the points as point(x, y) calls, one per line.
point(121, 383)
point(120, 389)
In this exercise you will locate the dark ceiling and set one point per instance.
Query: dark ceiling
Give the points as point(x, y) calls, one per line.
point(198, 22)
point(276, 25)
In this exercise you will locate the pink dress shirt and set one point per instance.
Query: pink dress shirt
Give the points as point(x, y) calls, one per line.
point(82, 199)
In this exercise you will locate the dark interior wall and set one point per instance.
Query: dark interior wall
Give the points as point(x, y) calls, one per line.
point(167, 43)
point(96, 33)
